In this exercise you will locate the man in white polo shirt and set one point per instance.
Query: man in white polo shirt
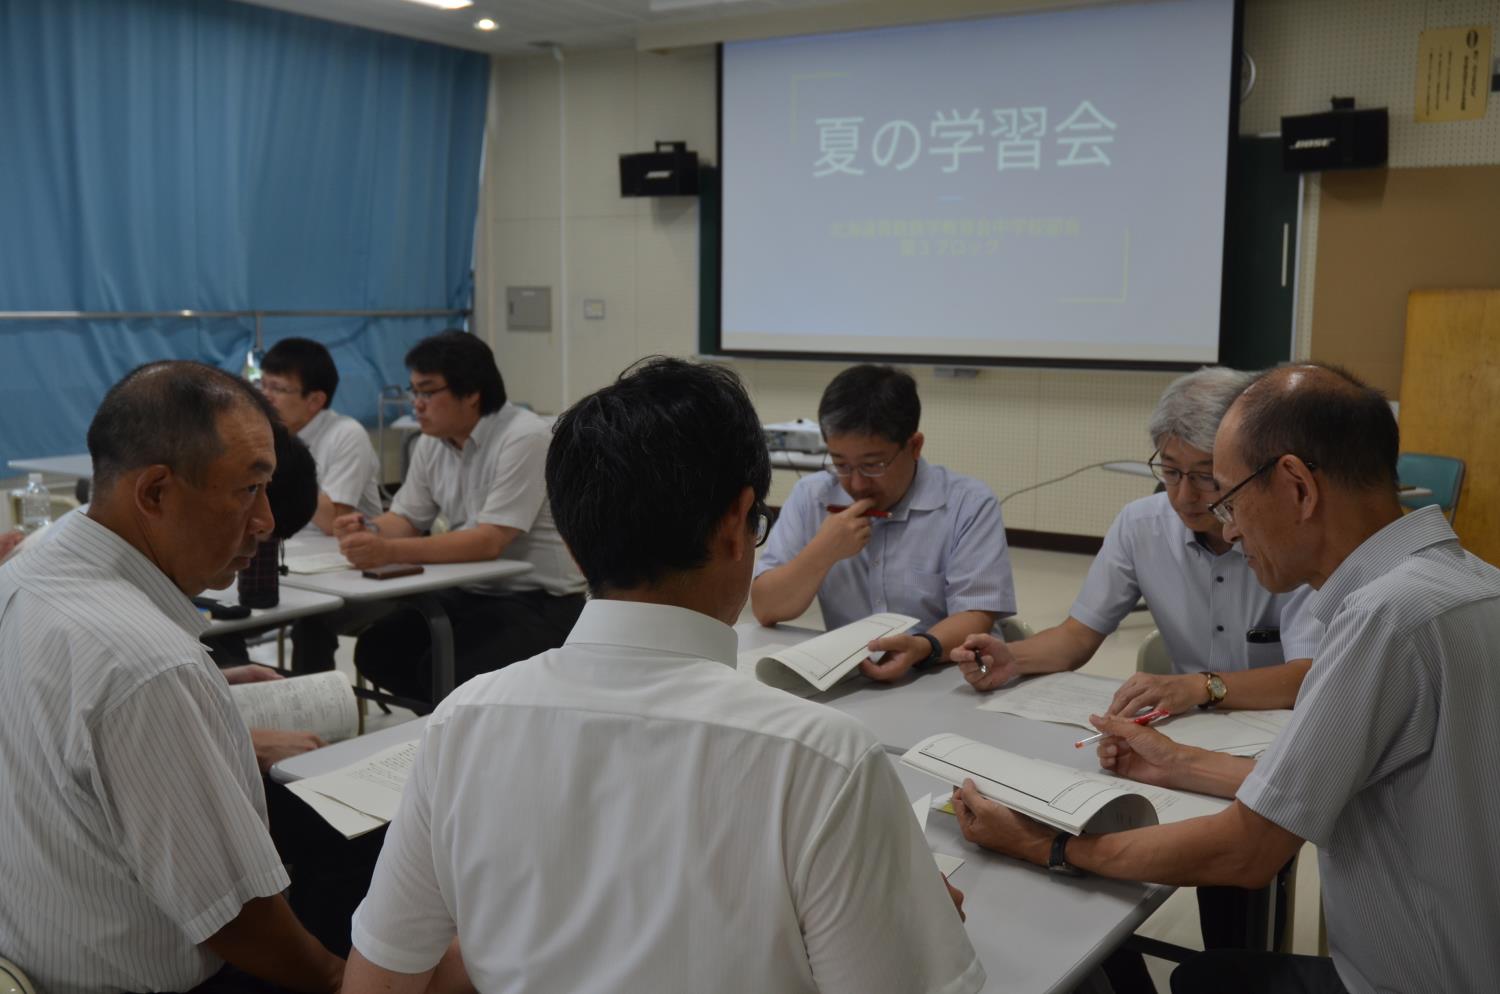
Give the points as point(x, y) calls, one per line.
point(1388, 762)
point(134, 853)
point(299, 378)
point(659, 822)
point(478, 465)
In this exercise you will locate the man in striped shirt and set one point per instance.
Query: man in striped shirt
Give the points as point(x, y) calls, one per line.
point(1387, 764)
point(134, 854)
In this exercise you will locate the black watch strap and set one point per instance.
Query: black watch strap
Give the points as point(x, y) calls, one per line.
point(1058, 861)
point(936, 653)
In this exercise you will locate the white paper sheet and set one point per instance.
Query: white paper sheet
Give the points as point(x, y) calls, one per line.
point(1064, 698)
point(343, 818)
point(373, 785)
point(947, 864)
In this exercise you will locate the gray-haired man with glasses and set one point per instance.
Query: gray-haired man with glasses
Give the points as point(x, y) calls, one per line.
point(1232, 642)
point(884, 530)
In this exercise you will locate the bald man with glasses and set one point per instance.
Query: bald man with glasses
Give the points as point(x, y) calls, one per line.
point(884, 530)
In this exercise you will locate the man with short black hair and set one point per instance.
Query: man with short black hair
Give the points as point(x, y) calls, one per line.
point(134, 853)
point(479, 465)
point(1387, 763)
point(299, 378)
point(660, 822)
point(883, 530)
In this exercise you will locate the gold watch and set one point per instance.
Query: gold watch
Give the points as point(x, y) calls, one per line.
point(1216, 690)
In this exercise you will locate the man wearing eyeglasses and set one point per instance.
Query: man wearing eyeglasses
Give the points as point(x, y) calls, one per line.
point(884, 530)
point(1387, 764)
point(299, 378)
point(628, 813)
point(479, 466)
point(1232, 643)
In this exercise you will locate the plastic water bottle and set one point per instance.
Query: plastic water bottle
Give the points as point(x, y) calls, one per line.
point(36, 504)
point(251, 372)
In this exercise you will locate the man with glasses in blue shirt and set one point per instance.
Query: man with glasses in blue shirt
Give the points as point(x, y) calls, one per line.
point(884, 530)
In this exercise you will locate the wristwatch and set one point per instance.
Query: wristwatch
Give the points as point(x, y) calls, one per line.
point(1216, 690)
point(936, 655)
point(1058, 861)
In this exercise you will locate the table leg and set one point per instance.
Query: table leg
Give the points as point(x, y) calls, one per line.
point(441, 630)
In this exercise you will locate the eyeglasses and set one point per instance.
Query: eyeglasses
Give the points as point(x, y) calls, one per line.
point(1224, 510)
point(869, 470)
point(761, 516)
point(279, 389)
point(424, 395)
point(1204, 483)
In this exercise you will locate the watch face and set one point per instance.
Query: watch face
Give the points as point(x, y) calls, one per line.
point(1216, 687)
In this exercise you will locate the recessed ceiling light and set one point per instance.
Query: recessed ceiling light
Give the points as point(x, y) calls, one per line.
point(445, 4)
point(487, 24)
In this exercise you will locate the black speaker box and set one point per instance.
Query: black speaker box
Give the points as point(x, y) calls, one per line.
point(1334, 139)
point(670, 171)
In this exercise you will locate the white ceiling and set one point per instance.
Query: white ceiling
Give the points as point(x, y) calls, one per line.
point(524, 23)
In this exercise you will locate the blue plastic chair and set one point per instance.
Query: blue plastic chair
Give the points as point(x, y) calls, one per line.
point(1443, 475)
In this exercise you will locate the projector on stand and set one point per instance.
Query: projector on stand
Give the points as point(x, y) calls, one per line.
point(801, 435)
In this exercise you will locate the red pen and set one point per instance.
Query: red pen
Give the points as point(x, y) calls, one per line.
point(872, 513)
point(1144, 719)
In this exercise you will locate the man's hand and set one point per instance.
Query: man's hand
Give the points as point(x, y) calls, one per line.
point(997, 827)
point(958, 899)
point(348, 524)
point(845, 533)
point(272, 745)
point(1137, 752)
point(250, 673)
point(9, 540)
point(986, 662)
point(365, 549)
point(899, 654)
point(1173, 693)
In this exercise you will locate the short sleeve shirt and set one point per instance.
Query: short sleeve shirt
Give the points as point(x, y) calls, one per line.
point(1203, 604)
point(134, 821)
point(673, 826)
point(1388, 763)
point(498, 478)
point(348, 470)
point(942, 550)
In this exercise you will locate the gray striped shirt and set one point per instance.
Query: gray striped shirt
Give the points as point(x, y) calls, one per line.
point(134, 821)
point(1388, 764)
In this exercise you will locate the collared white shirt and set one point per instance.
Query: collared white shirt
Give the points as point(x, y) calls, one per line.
point(348, 470)
point(940, 552)
point(133, 825)
point(1388, 764)
point(1203, 604)
point(628, 813)
point(499, 478)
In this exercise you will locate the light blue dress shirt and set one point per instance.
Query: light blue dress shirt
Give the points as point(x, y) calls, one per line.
point(1203, 604)
point(940, 552)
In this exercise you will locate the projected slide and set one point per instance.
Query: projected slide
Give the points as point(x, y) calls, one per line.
point(1031, 186)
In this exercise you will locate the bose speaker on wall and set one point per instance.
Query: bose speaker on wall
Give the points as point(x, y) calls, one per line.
point(670, 171)
point(1341, 138)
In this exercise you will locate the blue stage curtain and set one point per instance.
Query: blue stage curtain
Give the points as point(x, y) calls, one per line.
point(211, 155)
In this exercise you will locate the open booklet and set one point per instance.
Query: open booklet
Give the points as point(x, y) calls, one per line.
point(321, 703)
point(1074, 801)
point(362, 796)
point(308, 563)
point(823, 661)
point(1069, 699)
